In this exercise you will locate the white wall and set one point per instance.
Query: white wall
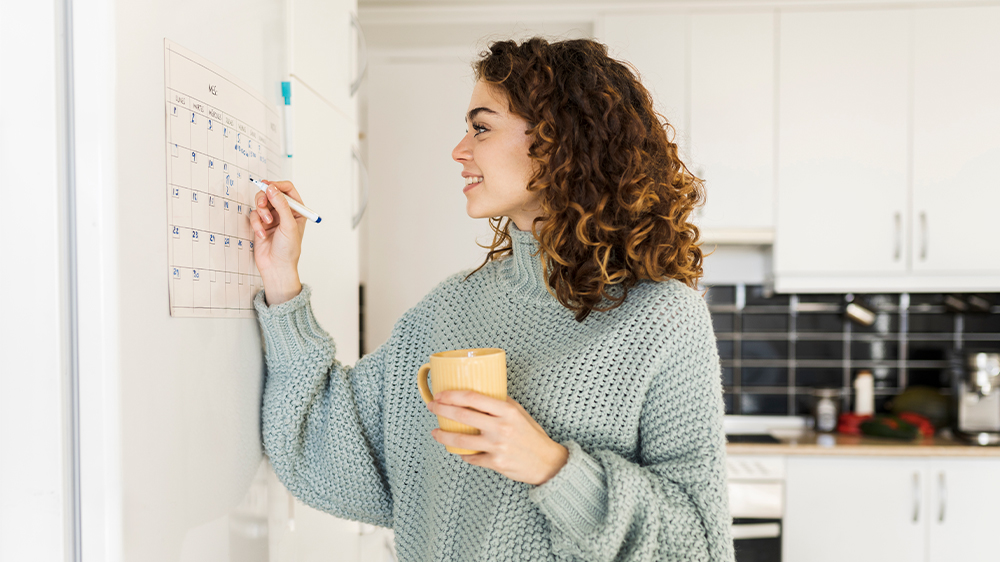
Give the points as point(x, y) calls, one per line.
point(34, 494)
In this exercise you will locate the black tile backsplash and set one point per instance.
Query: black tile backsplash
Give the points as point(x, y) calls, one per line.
point(776, 348)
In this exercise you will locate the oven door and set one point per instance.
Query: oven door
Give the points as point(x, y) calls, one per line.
point(757, 540)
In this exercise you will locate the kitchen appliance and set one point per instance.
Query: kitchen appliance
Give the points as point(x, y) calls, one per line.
point(978, 399)
point(756, 484)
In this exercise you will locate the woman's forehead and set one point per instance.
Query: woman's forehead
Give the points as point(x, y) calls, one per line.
point(487, 97)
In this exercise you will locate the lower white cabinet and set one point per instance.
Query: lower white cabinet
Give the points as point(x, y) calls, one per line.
point(880, 508)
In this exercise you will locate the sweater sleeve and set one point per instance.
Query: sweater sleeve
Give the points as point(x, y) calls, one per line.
point(673, 503)
point(322, 420)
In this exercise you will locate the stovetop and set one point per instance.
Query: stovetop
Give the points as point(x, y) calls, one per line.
point(752, 438)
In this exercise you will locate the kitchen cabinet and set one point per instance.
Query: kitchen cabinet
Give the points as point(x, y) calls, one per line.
point(324, 44)
point(712, 76)
point(889, 165)
point(842, 145)
point(956, 148)
point(901, 509)
point(732, 121)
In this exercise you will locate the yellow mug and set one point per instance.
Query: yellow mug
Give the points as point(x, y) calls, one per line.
point(483, 370)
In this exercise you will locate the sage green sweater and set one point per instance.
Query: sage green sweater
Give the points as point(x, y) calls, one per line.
point(634, 393)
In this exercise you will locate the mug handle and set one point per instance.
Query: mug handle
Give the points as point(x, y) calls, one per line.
point(425, 391)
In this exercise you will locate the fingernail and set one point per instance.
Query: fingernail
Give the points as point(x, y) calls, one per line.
point(272, 191)
point(260, 234)
point(267, 217)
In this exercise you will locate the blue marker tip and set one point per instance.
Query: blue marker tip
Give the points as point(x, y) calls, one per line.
point(319, 219)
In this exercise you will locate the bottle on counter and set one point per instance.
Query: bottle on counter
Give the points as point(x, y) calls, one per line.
point(826, 409)
point(864, 393)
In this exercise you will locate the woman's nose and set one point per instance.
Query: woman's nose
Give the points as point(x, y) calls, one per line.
point(462, 150)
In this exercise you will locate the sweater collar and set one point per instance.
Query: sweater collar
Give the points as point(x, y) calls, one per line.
point(523, 270)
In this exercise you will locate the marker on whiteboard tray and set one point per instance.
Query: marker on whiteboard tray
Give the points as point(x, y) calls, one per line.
point(286, 93)
point(295, 205)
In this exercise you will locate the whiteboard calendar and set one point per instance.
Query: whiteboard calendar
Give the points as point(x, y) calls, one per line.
point(220, 134)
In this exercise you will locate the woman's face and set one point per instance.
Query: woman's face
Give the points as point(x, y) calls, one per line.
point(495, 150)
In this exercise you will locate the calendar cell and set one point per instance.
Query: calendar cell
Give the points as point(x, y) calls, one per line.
point(180, 168)
point(200, 211)
point(217, 214)
point(218, 291)
point(213, 133)
point(178, 123)
point(216, 252)
point(202, 292)
point(243, 229)
point(200, 249)
point(245, 295)
point(229, 208)
point(180, 204)
point(199, 171)
point(243, 252)
point(182, 247)
point(216, 176)
point(181, 289)
point(232, 294)
point(232, 256)
point(199, 133)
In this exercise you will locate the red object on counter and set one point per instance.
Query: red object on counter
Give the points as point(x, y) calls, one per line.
point(850, 424)
point(923, 424)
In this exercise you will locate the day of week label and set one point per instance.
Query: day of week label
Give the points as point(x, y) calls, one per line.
point(198, 106)
point(230, 121)
point(214, 113)
point(181, 100)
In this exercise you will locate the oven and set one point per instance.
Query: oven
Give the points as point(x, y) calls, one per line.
point(756, 486)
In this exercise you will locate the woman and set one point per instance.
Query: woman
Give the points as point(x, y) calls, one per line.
point(610, 445)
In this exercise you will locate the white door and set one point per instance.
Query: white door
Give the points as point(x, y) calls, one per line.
point(732, 118)
point(322, 43)
point(325, 176)
point(657, 45)
point(964, 509)
point(956, 145)
point(842, 142)
point(857, 509)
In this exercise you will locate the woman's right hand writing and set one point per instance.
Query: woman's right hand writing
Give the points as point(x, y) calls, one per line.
point(278, 241)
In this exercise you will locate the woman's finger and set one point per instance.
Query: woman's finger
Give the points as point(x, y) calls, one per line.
point(475, 400)
point(255, 224)
point(287, 188)
point(482, 422)
point(286, 218)
point(461, 440)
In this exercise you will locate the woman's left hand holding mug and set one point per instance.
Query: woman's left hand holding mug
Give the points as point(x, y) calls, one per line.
point(511, 441)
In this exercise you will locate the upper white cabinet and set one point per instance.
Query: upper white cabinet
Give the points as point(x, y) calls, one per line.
point(842, 138)
point(657, 46)
point(325, 41)
point(732, 120)
point(900, 509)
point(889, 161)
point(712, 77)
point(956, 141)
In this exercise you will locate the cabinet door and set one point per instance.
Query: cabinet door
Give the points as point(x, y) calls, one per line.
point(322, 47)
point(956, 147)
point(964, 509)
point(657, 45)
point(857, 509)
point(842, 143)
point(732, 118)
point(324, 175)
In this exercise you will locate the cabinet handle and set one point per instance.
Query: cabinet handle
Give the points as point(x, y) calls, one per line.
point(363, 64)
point(364, 182)
point(916, 497)
point(923, 235)
point(942, 496)
point(899, 236)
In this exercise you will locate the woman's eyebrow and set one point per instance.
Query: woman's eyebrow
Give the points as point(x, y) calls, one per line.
point(472, 114)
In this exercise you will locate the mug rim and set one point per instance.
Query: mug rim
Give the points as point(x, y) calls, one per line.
point(453, 354)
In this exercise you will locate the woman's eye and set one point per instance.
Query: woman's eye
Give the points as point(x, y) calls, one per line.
point(479, 128)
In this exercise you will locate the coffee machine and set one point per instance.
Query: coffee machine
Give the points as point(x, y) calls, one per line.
point(978, 399)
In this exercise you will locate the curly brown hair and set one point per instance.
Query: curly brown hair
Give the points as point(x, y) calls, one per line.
point(615, 198)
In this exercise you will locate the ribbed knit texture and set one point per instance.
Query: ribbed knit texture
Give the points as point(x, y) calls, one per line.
point(634, 393)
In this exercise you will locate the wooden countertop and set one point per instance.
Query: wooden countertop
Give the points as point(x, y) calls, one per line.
point(811, 443)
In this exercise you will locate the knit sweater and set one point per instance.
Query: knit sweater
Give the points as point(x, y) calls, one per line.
point(633, 393)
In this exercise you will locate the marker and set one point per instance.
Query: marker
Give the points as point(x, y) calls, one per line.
point(295, 205)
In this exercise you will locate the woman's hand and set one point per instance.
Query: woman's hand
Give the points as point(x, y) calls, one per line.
point(278, 241)
point(512, 443)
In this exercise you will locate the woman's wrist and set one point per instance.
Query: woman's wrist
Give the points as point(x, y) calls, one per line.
point(279, 289)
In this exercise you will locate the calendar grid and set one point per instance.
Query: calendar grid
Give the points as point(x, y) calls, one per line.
point(213, 149)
